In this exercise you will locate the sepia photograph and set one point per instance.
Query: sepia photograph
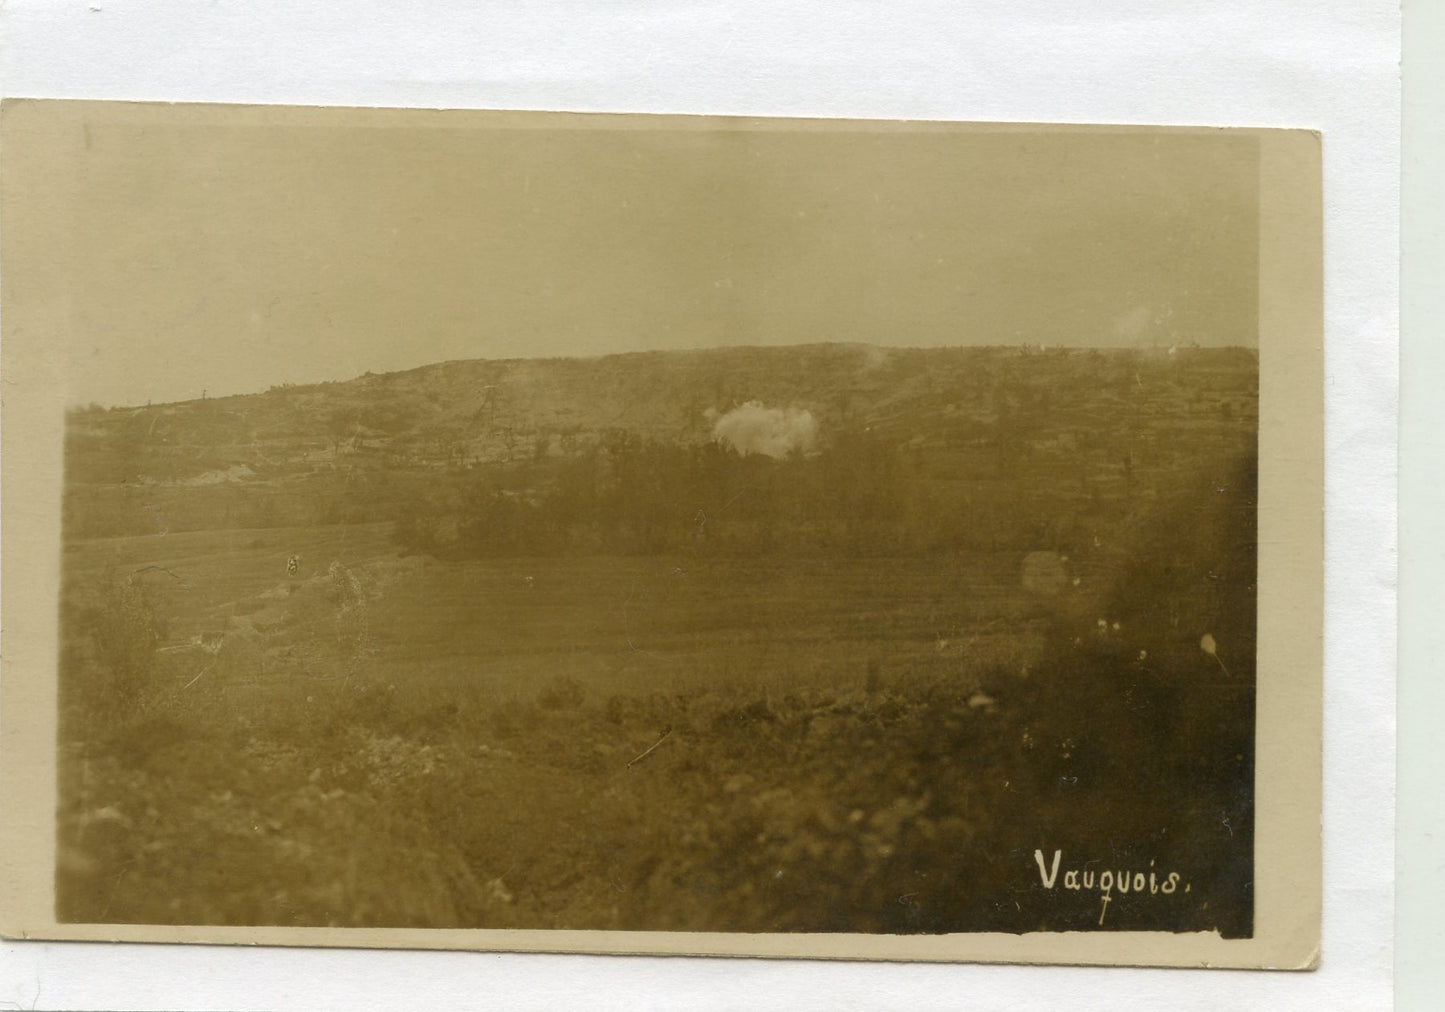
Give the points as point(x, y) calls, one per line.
point(650, 524)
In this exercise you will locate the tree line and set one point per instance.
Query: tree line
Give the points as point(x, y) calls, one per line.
point(629, 494)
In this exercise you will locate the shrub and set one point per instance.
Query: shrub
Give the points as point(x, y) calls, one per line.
point(123, 631)
point(562, 694)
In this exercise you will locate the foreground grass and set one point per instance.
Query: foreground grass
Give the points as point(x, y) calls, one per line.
point(852, 796)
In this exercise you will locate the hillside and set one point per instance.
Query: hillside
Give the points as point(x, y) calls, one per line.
point(356, 450)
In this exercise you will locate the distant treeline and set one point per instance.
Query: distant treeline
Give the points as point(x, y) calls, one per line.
point(631, 495)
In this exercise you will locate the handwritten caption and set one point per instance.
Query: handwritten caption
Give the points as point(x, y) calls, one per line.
point(1108, 882)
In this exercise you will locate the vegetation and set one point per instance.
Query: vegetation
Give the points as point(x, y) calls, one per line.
point(543, 669)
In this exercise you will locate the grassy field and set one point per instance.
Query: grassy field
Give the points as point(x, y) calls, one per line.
point(856, 744)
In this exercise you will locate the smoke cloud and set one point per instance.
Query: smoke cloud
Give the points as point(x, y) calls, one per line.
point(776, 432)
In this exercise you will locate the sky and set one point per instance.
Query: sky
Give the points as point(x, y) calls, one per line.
point(228, 253)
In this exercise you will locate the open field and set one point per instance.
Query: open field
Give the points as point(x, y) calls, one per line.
point(829, 713)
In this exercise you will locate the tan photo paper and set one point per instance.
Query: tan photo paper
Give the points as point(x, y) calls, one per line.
point(661, 534)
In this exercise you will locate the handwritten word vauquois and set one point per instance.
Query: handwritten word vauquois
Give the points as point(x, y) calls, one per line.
point(1106, 883)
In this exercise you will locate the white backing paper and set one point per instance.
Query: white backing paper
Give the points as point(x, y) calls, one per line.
point(1330, 65)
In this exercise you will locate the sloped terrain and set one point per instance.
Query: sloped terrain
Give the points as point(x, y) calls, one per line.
point(540, 644)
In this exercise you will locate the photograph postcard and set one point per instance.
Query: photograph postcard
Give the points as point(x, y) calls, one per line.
point(624, 533)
